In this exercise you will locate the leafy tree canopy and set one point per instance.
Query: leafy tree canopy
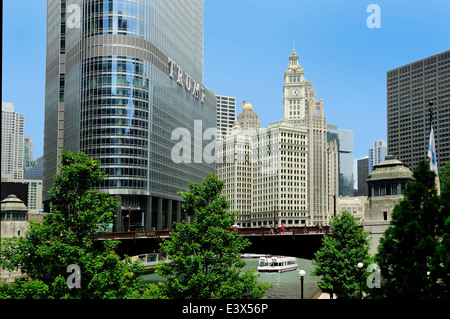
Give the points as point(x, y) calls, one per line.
point(337, 260)
point(414, 251)
point(204, 255)
point(66, 237)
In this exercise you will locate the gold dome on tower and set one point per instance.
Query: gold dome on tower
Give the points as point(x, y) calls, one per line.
point(246, 106)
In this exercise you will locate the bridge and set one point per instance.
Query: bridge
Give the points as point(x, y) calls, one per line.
point(301, 242)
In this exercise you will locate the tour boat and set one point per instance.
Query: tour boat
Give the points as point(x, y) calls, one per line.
point(277, 264)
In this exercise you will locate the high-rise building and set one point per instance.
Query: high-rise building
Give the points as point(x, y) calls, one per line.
point(226, 115)
point(35, 171)
point(377, 154)
point(28, 152)
point(410, 88)
point(280, 176)
point(234, 167)
point(346, 159)
point(363, 173)
point(248, 119)
point(118, 86)
point(234, 163)
point(12, 141)
point(300, 107)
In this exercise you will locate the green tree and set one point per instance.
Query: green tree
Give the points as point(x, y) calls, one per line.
point(337, 259)
point(66, 237)
point(204, 255)
point(408, 254)
point(442, 261)
point(444, 177)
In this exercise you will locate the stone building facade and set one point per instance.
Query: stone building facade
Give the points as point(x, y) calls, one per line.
point(386, 185)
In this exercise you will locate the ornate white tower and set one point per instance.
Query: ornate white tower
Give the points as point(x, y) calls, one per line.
point(294, 91)
point(300, 107)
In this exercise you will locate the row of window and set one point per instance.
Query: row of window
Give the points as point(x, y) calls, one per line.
point(115, 64)
point(122, 103)
point(124, 183)
point(113, 121)
point(96, 152)
point(131, 132)
point(116, 80)
point(128, 111)
point(112, 92)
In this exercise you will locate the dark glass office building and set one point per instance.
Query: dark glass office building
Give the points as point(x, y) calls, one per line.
point(122, 76)
point(410, 88)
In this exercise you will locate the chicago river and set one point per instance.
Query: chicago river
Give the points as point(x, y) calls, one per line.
point(286, 285)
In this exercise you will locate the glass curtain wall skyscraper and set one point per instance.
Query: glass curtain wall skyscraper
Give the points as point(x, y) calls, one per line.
point(121, 77)
point(346, 159)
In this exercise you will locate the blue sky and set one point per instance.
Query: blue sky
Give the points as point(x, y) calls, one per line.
point(246, 48)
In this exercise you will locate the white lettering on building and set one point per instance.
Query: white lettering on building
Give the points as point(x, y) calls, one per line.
point(185, 80)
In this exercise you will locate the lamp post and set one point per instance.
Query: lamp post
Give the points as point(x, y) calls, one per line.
point(302, 274)
point(129, 219)
point(360, 265)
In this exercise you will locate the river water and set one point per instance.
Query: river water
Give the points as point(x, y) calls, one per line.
point(286, 285)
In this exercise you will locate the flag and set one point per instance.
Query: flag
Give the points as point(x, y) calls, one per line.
point(433, 161)
point(432, 153)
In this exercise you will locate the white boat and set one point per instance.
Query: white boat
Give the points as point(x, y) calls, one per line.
point(277, 264)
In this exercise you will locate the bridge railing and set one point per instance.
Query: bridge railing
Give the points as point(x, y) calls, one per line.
point(288, 230)
point(240, 231)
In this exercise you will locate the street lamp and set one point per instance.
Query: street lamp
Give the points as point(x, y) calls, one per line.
point(360, 265)
point(302, 274)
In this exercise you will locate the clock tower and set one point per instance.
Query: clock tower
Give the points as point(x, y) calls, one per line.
point(294, 91)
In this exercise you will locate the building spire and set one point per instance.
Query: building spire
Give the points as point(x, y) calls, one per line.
point(293, 53)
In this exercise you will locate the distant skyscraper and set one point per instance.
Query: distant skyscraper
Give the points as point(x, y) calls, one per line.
point(226, 114)
point(409, 90)
point(363, 173)
point(35, 171)
point(234, 163)
point(28, 152)
point(248, 119)
point(12, 141)
point(346, 159)
point(377, 153)
point(120, 88)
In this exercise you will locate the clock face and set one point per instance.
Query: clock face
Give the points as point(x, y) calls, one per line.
point(294, 92)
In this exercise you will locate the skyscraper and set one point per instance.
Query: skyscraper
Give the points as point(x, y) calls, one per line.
point(410, 88)
point(226, 115)
point(377, 154)
point(300, 107)
point(248, 119)
point(346, 159)
point(35, 171)
point(363, 173)
point(118, 85)
point(12, 141)
point(28, 152)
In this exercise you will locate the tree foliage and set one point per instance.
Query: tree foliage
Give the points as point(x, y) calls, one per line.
point(65, 237)
point(414, 251)
point(204, 255)
point(337, 260)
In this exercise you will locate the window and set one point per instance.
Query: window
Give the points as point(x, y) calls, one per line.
point(384, 215)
